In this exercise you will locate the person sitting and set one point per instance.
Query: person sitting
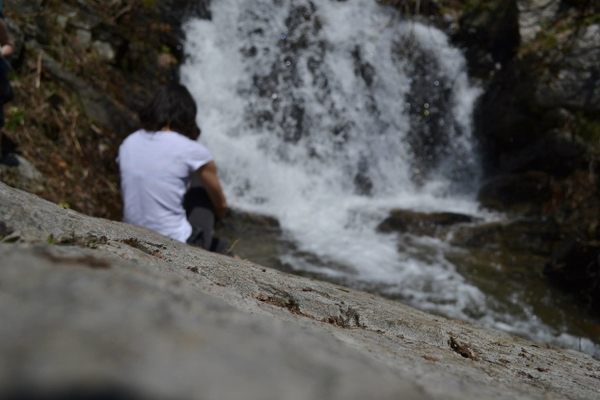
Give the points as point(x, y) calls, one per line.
point(160, 162)
point(7, 46)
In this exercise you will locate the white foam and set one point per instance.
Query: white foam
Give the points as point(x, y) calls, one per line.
point(308, 184)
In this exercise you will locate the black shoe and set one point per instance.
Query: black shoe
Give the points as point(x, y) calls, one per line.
point(218, 245)
point(11, 160)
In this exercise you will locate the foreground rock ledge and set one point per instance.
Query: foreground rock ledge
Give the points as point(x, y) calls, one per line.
point(95, 307)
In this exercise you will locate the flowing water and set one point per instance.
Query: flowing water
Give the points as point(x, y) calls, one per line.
point(327, 115)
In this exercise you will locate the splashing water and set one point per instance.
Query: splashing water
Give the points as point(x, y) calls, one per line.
point(329, 115)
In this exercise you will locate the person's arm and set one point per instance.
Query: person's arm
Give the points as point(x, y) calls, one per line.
point(210, 181)
point(8, 45)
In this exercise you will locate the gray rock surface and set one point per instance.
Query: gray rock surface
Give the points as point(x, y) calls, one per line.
point(24, 176)
point(104, 307)
point(532, 16)
point(573, 79)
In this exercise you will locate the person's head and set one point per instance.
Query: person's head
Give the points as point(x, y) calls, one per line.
point(172, 107)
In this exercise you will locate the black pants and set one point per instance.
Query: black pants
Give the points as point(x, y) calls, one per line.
point(6, 92)
point(200, 213)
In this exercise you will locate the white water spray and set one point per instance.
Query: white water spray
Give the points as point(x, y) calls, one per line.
point(327, 116)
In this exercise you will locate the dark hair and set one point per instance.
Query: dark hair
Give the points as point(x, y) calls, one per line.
point(172, 106)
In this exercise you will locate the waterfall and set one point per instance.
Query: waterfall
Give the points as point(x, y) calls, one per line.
point(327, 115)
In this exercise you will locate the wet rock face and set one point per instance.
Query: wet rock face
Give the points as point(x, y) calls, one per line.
point(301, 40)
point(520, 235)
point(429, 103)
point(538, 125)
point(532, 16)
point(489, 32)
point(572, 78)
point(534, 104)
point(422, 224)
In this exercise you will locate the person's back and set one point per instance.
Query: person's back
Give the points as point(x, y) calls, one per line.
point(156, 165)
point(155, 170)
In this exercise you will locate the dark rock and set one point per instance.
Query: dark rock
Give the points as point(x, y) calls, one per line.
point(429, 111)
point(24, 6)
point(98, 105)
point(572, 77)
point(105, 33)
point(515, 112)
point(422, 224)
point(557, 153)
point(489, 32)
point(532, 236)
point(176, 12)
point(237, 220)
point(85, 18)
point(3, 229)
point(515, 192)
point(503, 120)
point(575, 267)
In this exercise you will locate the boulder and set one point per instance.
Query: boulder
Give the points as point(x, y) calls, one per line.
point(536, 101)
point(533, 14)
point(94, 308)
point(530, 236)
point(422, 224)
point(572, 78)
point(21, 174)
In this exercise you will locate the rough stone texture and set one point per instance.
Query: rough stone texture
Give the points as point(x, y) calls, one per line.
point(573, 78)
point(533, 14)
point(98, 106)
point(113, 307)
point(526, 119)
point(86, 322)
point(23, 176)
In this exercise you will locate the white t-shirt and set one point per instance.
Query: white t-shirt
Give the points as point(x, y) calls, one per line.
point(155, 169)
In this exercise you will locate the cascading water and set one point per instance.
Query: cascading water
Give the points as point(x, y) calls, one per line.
point(328, 115)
